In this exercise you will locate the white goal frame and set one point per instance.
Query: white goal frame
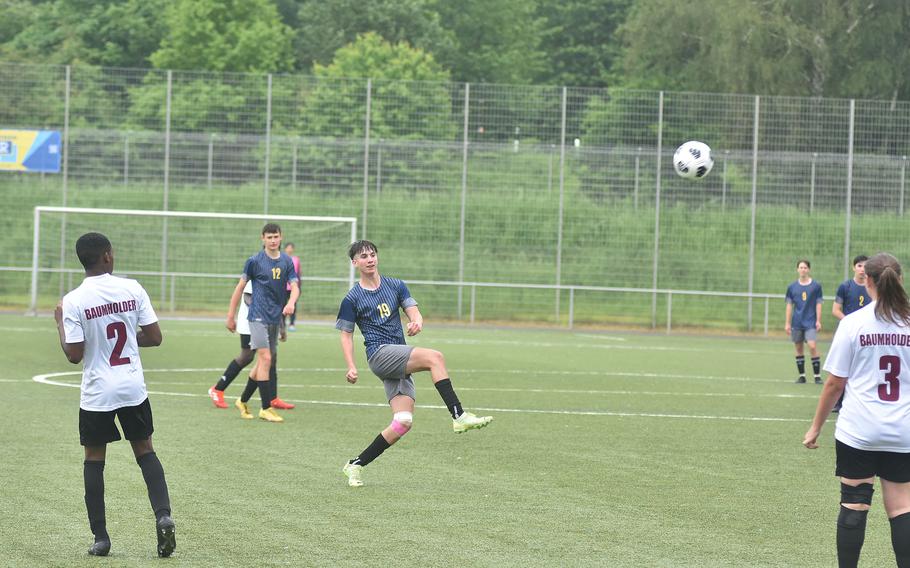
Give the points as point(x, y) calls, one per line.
point(165, 215)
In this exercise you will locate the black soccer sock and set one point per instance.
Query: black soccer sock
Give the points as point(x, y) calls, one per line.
point(801, 365)
point(265, 393)
point(816, 366)
point(93, 476)
point(273, 376)
point(153, 474)
point(373, 451)
point(900, 539)
point(251, 387)
point(851, 532)
point(233, 369)
point(449, 397)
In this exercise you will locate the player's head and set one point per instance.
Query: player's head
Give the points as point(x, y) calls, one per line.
point(801, 262)
point(289, 248)
point(94, 251)
point(885, 282)
point(802, 268)
point(271, 236)
point(358, 247)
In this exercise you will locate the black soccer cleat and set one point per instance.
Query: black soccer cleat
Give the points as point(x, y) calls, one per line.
point(801, 380)
point(167, 540)
point(100, 548)
point(818, 381)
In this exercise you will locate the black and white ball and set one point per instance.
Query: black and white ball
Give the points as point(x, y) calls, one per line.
point(693, 160)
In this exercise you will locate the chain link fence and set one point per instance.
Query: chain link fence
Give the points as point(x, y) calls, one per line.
point(501, 202)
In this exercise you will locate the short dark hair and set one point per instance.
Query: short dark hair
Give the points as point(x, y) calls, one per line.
point(802, 260)
point(859, 258)
point(289, 244)
point(271, 228)
point(360, 246)
point(90, 247)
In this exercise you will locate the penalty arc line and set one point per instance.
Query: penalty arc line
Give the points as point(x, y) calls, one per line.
point(48, 379)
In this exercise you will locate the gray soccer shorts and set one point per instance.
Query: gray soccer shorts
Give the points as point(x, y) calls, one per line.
point(800, 335)
point(263, 335)
point(390, 363)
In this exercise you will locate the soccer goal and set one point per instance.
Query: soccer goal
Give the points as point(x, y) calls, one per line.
point(189, 262)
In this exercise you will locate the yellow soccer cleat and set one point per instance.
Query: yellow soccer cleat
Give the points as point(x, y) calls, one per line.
point(244, 409)
point(353, 472)
point(469, 421)
point(269, 415)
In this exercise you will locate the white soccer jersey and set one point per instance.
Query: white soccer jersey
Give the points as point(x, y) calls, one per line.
point(105, 312)
point(874, 356)
point(243, 323)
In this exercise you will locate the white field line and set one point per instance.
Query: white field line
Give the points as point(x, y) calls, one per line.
point(48, 379)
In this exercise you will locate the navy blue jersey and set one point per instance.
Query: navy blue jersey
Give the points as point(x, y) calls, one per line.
point(376, 313)
point(804, 298)
point(270, 277)
point(852, 296)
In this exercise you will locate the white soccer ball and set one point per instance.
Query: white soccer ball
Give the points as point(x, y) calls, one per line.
point(693, 160)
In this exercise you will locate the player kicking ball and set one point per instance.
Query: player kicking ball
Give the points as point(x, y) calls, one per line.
point(372, 305)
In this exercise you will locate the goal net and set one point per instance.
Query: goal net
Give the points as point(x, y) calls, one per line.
point(189, 262)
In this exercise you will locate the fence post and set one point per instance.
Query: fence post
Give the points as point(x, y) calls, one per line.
point(126, 158)
point(571, 307)
point(66, 146)
point(669, 311)
point(379, 167)
point(812, 183)
point(635, 187)
point(473, 300)
point(660, 141)
point(754, 210)
point(366, 157)
point(294, 166)
point(562, 185)
point(723, 190)
point(167, 169)
point(268, 140)
point(464, 199)
point(849, 205)
point(211, 160)
point(767, 301)
point(903, 177)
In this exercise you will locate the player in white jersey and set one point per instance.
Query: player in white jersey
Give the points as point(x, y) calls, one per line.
point(870, 358)
point(102, 324)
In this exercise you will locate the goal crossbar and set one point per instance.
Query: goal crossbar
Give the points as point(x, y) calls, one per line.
point(166, 214)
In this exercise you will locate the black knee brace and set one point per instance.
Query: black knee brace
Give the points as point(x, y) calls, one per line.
point(861, 493)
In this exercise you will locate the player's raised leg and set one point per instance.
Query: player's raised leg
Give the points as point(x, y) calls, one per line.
point(423, 359)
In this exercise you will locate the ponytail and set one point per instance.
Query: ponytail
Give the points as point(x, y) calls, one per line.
point(892, 305)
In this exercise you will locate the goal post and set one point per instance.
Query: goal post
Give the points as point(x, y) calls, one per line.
point(189, 261)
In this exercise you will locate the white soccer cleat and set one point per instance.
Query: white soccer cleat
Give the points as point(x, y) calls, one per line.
point(353, 472)
point(469, 421)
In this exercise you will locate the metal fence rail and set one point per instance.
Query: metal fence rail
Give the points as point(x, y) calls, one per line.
point(565, 188)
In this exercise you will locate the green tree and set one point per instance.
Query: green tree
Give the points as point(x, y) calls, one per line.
point(326, 27)
point(495, 41)
point(225, 35)
point(410, 98)
point(580, 39)
point(96, 32)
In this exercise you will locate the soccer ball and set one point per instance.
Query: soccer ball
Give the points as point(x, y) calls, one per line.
point(693, 160)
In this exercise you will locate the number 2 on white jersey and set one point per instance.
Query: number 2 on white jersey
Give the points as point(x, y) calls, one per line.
point(117, 329)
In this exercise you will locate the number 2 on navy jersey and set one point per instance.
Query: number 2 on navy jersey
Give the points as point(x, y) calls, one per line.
point(384, 310)
point(117, 329)
point(891, 390)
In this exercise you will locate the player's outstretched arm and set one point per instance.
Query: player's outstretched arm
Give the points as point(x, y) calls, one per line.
point(149, 335)
point(415, 320)
point(347, 348)
point(73, 351)
point(231, 323)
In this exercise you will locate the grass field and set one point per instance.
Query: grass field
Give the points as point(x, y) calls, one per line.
point(607, 449)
